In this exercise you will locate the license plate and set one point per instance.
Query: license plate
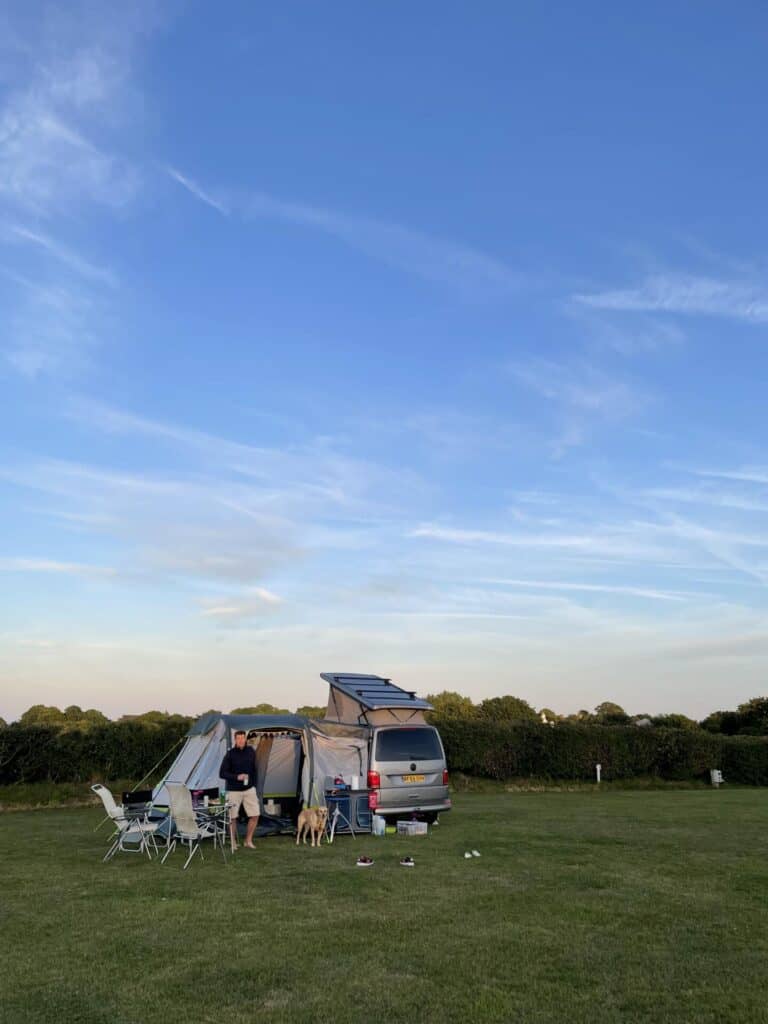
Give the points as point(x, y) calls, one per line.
point(413, 778)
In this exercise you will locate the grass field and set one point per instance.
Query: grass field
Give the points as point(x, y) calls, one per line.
point(621, 906)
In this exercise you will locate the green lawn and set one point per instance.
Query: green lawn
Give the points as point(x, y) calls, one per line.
point(627, 906)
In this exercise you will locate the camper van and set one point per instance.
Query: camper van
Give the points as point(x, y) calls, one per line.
point(374, 740)
point(407, 770)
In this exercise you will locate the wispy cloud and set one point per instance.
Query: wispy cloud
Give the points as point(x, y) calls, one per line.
point(731, 547)
point(197, 191)
point(46, 158)
point(597, 588)
point(686, 294)
point(313, 470)
point(252, 604)
point(238, 514)
point(60, 252)
point(628, 336)
point(51, 328)
point(464, 268)
point(608, 542)
point(579, 386)
point(63, 122)
point(746, 474)
point(708, 497)
point(168, 528)
point(46, 565)
point(740, 647)
point(581, 394)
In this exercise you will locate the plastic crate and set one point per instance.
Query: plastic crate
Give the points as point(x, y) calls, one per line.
point(412, 828)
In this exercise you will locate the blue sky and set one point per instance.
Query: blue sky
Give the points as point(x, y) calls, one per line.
point(427, 340)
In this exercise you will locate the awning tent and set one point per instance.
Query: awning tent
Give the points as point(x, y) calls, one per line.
point(294, 755)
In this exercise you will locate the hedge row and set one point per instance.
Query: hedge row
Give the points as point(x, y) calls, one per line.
point(117, 750)
point(502, 750)
point(496, 750)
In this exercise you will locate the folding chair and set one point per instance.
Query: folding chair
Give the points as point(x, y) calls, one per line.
point(109, 802)
point(131, 835)
point(185, 828)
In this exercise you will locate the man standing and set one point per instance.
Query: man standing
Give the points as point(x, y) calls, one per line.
point(238, 769)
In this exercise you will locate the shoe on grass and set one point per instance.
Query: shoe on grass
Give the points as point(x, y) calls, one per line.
point(467, 855)
point(475, 853)
point(407, 862)
point(364, 862)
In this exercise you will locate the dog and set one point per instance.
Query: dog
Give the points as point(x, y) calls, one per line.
point(312, 820)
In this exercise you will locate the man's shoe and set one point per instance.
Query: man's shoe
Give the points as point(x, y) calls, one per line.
point(407, 862)
point(364, 862)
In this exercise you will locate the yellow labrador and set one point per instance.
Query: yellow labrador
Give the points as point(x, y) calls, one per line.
point(312, 820)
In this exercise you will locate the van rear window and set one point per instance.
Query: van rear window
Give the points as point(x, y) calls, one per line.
point(408, 745)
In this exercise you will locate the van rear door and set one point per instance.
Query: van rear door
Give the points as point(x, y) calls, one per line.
point(410, 761)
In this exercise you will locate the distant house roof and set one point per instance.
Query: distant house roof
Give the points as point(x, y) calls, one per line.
point(373, 692)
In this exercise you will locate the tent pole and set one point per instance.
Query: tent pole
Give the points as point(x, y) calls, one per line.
point(151, 770)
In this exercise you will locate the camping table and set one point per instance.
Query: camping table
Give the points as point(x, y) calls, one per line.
point(136, 812)
point(353, 807)
point(218, 815)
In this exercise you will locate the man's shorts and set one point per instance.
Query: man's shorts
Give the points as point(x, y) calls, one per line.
point(248, 799)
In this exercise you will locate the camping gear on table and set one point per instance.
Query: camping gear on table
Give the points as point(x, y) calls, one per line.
point(202, 797)
point(137, 803)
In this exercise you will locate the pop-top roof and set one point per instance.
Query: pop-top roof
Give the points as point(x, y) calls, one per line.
point(373, 692)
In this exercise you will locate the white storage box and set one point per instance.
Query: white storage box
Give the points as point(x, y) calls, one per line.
point(412, 828)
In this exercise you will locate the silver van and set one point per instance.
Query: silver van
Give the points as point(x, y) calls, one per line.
point(408, 772)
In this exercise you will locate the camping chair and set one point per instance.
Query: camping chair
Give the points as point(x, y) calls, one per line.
point(185, 828)
point(131, 835)
point(110, 806)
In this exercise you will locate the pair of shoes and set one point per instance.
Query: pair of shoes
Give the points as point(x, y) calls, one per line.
point(364, 862)
point(407, 862)
point(469, 856)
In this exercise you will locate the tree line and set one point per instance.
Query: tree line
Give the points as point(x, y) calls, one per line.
point(74, 717)
point(748, 719)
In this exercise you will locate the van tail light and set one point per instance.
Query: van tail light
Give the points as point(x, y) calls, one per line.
point(374, 780)
point(445, 776)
